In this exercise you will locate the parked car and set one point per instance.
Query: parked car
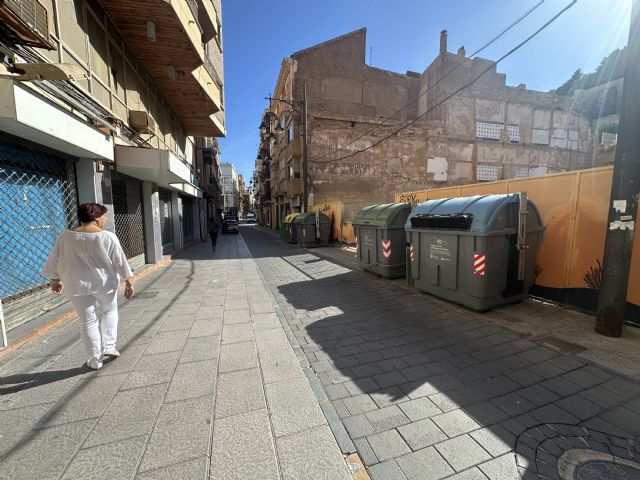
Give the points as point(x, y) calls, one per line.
point(251, 218)
point(230, 225)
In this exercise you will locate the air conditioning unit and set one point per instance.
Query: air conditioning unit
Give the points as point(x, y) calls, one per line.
point(28, 20)
point(141, 121)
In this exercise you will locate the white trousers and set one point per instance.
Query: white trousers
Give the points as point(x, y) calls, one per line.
point(97, 339)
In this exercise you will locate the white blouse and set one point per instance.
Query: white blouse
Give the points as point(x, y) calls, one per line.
point(87, 263)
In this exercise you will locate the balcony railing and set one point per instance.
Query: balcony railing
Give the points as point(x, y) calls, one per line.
point(208, 65)
point(294, 187)
point(193, 6)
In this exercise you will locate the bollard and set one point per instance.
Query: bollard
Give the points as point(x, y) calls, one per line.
point(3, 331)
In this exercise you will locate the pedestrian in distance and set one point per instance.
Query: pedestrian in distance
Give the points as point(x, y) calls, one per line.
point(213, 226)
point(87, 265)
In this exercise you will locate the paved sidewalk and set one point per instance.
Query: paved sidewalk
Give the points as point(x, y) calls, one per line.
point(426, 389)
point(207, 387)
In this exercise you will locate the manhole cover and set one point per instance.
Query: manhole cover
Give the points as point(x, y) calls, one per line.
point(559, 345)
point(145, 295)
point(602, 469)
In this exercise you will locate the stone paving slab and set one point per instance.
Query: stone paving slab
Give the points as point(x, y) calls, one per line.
point(206, 382)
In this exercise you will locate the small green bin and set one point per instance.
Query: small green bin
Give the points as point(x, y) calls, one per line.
point(381, 247)
point(291, 227)
point(313, 229)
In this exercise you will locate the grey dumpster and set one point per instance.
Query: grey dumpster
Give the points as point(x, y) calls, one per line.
point(314, 229)
point(382, 239)
point(477, 251)
point(291, 228)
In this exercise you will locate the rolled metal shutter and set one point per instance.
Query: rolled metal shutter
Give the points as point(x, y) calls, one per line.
point(166, 220)
point(38, 200)
point(129, 217)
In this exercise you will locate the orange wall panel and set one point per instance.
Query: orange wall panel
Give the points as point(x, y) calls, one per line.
point(591, 225)
point(483, 189)
point(554, 198)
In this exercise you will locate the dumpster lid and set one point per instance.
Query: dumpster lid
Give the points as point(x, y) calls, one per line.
point(383, 214)
point(310, 217)
point(291, 217)
point(485, 212)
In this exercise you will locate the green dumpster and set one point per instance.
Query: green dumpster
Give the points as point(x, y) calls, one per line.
point(477, 251)
point(283, 232)
point(382, 239)
point(291, 227)
point(313, 229)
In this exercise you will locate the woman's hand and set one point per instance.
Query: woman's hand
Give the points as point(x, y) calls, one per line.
point(128, 290)
point(57, 287)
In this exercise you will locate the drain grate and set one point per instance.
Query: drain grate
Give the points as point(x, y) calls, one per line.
point(140, 296)
point(559, 345)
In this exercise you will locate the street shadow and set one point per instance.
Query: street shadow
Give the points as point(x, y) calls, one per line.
point(24, 381)
point(388, 356)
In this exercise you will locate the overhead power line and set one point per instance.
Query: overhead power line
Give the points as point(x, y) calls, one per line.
point(491, 66)
point(430, 87)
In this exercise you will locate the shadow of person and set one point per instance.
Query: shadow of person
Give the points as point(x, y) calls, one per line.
point(24, 381)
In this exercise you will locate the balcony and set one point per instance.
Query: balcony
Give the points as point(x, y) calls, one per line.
point(208, 18)
point(291, 187)
point(159, 166)
point(294, 148)
point(283, 187)
point(294, 187)
point(166, 37)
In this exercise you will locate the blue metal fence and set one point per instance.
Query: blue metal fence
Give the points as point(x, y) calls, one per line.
point(38, 200)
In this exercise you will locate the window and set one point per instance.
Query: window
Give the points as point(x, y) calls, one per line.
point(493, 131)
point(488, 173)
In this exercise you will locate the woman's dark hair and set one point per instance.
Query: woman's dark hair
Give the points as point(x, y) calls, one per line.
point(88, 212)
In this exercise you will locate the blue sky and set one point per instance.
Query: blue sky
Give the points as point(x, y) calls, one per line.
point(404, 35)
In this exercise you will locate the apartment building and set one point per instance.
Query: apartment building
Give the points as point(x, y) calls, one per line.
point(372, 132)
point(230, 189)
point(103, 100)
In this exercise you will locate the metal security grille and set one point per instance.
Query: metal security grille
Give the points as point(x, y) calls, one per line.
point(166, 222)
point(187, 219)
point(129, 217)
point(38, 201)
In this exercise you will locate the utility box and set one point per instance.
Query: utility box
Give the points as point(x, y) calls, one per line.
point(313, 229)
point(477, 251)
point(291, 228)
point(381, 238)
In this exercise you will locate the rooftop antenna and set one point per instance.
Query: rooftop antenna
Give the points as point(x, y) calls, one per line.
point(370, 55)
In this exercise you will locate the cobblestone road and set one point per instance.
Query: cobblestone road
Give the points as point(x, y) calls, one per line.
point(428, 390)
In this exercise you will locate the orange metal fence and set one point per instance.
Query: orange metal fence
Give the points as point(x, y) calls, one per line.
point(574, 207)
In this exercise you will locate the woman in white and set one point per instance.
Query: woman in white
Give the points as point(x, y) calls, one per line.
point(87, 265)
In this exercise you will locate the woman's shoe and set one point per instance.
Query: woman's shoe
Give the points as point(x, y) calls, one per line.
point(93, 365)
point(112, 355)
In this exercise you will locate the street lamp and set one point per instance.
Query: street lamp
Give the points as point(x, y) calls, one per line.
point(300, 108)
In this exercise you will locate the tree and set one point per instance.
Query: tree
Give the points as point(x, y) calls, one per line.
point(569, 86)
point(611, 68)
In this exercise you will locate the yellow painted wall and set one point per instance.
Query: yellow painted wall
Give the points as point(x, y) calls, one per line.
point(333, 210)
point(574, 207)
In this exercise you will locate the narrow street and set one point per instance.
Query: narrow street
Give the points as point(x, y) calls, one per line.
point(426, 389)
point(267, 361)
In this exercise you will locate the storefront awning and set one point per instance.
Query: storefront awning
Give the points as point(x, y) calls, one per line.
point(27, 115)
point(159, 166)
